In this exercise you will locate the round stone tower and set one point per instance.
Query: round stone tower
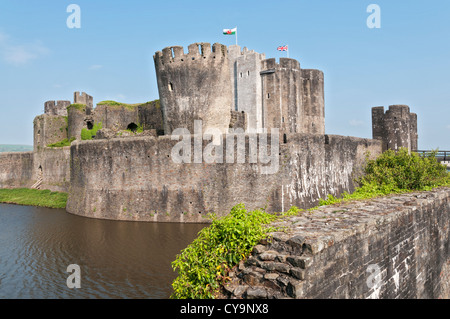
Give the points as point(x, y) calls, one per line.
point(194, 86)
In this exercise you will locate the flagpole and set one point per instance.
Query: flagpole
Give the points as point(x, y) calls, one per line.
point(287, 51)
point(236, 37)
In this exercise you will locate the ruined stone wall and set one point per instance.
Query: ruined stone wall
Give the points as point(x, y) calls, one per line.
point(49, 129)
point(16, 170)
point(388, 248)
point(150, 116)
point(76, 121)
point(56, 107)
point(83, 98)
point(116, 117)
point(55, 167)
point(147, 184)
point(194, 86)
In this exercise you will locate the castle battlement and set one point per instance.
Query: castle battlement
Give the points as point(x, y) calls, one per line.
point(196, 52)
point(397, 127)
point(58, 108)
point(285, 63)
point(235, 51)
point(83, 98)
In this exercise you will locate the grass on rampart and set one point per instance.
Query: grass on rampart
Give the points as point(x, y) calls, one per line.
point(33, 197)
point(126, 105)
point(204, 265)
point(77, 106)
point(63, 143)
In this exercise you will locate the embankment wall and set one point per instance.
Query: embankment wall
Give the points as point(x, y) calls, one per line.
point(392, 247)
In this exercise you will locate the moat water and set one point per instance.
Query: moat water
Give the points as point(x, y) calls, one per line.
point(116, 259)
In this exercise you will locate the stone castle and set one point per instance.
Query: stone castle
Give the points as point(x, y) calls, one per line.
point(127, 172)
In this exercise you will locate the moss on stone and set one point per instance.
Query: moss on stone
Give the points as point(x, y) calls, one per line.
point(63, 143)
point(79, 107)
point(111, 103)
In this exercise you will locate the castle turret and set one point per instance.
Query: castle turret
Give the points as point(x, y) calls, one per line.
point(313, 102)
point(282, 89)
point(245, 68)
point(397, 127)
point(194, 86)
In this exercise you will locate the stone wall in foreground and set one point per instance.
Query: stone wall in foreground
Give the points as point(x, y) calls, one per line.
point(137, 178)
point(392, 247)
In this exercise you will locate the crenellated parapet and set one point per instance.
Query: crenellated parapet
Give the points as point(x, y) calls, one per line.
point(83, 98)
point(285, 63)
point(197, 52)
point(58, 108)
point(194, 86)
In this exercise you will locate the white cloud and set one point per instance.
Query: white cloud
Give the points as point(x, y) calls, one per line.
point(20, 54)
point(356, 123)
point(95, 67)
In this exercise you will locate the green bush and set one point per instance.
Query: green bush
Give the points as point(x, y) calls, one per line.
point(204, 264)
point(88, 134)
point(397, 172)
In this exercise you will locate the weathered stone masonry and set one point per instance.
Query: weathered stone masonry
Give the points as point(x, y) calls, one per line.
point(336, 252)
point(137, 179)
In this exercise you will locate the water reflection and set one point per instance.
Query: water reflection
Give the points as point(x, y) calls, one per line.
point(117, 259)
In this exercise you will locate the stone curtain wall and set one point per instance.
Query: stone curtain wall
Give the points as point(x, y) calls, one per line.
point(16, 170)
point(55, 164)
point(136, 179)
point(19, 170)
point(392, 247)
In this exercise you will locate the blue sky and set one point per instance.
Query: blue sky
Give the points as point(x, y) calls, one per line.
point(406, 61)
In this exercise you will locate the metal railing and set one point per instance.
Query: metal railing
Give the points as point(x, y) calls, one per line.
point(442, 156)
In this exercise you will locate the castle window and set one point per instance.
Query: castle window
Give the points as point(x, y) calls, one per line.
point(241, 74)
point(282, 119)
point(170, 86)
point(89, 125)
point(268, 95)
point(132, 127)
point(284, 138)
point(248, 73)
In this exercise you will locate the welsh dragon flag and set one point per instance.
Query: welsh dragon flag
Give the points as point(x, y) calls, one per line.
point(229, 31)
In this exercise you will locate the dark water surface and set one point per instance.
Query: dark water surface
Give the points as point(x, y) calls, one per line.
point(117, 259)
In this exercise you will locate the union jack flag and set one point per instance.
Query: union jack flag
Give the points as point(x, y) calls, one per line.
point(282, 48)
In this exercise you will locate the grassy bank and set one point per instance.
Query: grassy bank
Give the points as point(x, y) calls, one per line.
point(33, 197)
